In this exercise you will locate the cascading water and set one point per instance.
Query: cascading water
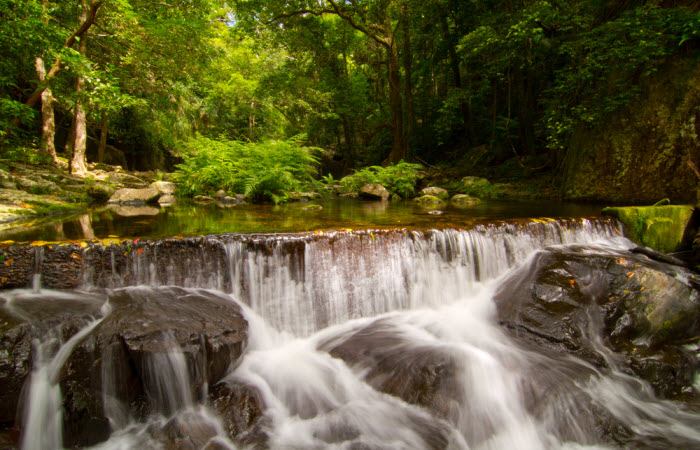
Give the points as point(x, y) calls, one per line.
point(384, 340)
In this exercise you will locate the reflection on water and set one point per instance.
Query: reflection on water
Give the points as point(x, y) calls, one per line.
point(189, 219)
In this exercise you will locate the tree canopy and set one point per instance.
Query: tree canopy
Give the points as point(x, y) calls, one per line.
point(369, 81)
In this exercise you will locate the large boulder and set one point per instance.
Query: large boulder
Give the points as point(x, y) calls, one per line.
point(664, 228)
point(128, 196)
point(567, 300)
point(374, 192)
point(135, 345)
point(464, 200)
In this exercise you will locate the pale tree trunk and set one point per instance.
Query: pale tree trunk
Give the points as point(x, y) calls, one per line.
point(48, 122)
point(103, 138)
point(78, 164)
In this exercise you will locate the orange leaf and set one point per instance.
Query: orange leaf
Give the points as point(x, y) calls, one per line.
point(572, 281)
point(139, 251)
point(8, 263)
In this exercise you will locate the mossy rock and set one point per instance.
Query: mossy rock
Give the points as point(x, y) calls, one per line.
point(464, 200)
point(662, 228)
point(436, 192)
point(428, 200)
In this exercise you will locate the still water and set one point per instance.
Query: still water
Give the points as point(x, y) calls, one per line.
point(188, 219)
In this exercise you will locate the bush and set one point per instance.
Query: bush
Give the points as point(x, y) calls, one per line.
point(399, 179)
point(263, 171)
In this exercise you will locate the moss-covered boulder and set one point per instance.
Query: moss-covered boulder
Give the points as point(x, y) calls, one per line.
point(663, 228)
point(428, 200)
point(436, 192)
point(464, 200)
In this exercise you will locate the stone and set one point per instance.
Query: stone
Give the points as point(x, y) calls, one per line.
point(126, 180)
point(128, 196)
point(374, 192)
point(666, 229)
point(167, 199)
point(240, 407)
point(100, 191)
point(464, 200)
point(640, 308)
point(164, 187)
point(203, 199)
point(428, 200)
point(436, 192)
point(220, 194)
point(144, 324)
point(134, 211)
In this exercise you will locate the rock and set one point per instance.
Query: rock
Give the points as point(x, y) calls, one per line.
point(469, 182)
point(374, 192)
point(167, 199)
point(563, 296)
point(639, 153)
point(436, 192)
point(7, 180)
point(134, 196)
point(428, 200)
point(233, 200)
point(240, 407)
point(100, 191)
point(303, 196)
point(663, 228)
point(133, 343)
point(464, 200)
point(312, 208)
point(220, 194)
point(134, 211)
point(127, 180)
point(164, 187)
point(203, 199)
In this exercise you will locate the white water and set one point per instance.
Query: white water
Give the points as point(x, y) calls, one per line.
point(404, 302)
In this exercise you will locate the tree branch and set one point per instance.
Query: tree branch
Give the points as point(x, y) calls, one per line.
point(359, 27)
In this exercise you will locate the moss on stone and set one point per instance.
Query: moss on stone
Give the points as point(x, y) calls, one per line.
point(659, 227)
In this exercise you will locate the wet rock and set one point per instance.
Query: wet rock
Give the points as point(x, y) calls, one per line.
point(203, 199)
point(134, 196)
point(240, 408)
point(435, 192)
point(100, 191)
point(26, 319)
point(567, 300)
point(374, 192)
point(164, 187)
point(132, 345)
point(220, 194)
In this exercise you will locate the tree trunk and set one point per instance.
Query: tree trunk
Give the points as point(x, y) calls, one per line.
point(398, 147)
point(78, 163)
point(48, 122)
point(103, 138)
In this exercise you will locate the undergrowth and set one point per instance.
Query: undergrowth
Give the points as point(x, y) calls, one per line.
point(399, 179)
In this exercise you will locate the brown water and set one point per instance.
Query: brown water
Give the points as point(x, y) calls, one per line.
point(189, 219)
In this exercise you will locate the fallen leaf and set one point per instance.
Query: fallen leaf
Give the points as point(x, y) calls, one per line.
point(7, 242)
point(630, 274)
point(572, 282)
point(8, 263)
point(139, 251)
point(76, 256)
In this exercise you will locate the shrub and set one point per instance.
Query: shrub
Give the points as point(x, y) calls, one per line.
point(399, 179)
point(263, 171)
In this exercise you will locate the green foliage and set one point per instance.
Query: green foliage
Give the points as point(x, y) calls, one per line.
point(263, 171)
point(399, 179)
point(28, 155)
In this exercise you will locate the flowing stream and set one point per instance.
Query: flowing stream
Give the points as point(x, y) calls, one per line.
point(377, 340)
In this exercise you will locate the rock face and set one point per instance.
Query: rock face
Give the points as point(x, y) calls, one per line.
point(664, 228)
point(374, 192)
point(565, 301)
point(128, 196)
point(639, 154)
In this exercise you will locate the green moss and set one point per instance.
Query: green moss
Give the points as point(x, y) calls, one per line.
point(659, 227)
